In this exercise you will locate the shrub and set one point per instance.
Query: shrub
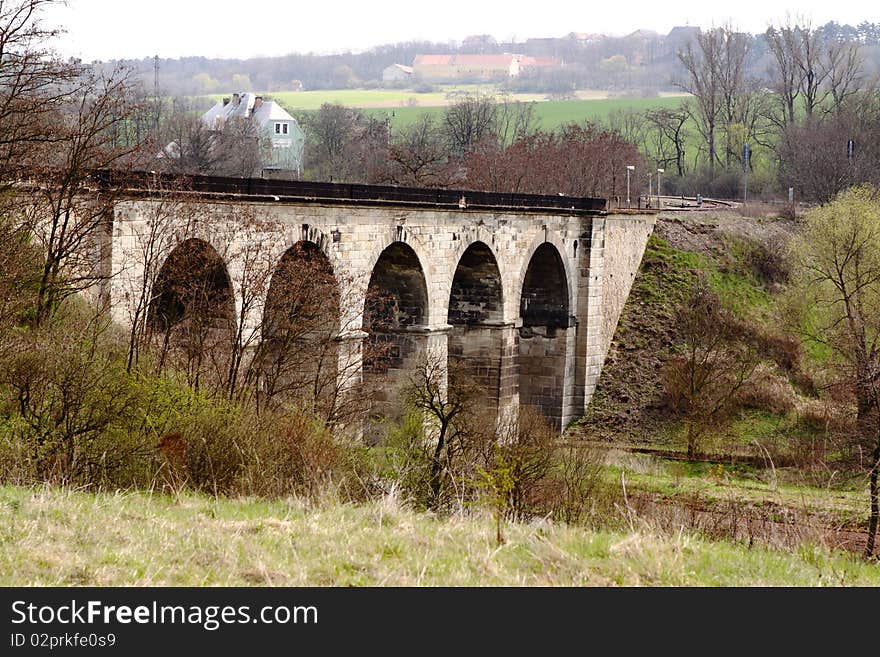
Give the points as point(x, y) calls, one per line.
point(580, 491)
point(68, 400)
point(769, 260)
point(404, 460)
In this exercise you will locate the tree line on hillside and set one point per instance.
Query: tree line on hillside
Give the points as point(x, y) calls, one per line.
point(642, 62)
point(808, 117)
point(812, 124)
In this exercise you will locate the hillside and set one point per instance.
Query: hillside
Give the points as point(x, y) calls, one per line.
point(742, 260)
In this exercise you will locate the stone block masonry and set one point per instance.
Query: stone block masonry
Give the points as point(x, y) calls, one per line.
point(520, 292)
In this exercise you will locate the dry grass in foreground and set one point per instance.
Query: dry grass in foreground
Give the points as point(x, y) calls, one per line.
point(61, 537)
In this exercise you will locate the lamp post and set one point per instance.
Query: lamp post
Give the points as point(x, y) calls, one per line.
point(629, 168)
point(659, 171)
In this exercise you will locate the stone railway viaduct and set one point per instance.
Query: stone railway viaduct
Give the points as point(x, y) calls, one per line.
point(524, 290)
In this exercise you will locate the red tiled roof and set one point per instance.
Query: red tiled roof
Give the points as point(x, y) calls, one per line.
point(485, 61)
point(539, 62)
point(432, 60)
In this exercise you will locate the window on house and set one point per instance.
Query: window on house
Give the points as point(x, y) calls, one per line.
point(278, 128)
point(284, 128)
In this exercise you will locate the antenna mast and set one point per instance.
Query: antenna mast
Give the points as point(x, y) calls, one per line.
point(156, 90)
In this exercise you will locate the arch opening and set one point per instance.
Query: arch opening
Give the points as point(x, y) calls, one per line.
point(299, 352)
point(480, 346)
point(545, 334)
point(396, 302)
point(192, 309)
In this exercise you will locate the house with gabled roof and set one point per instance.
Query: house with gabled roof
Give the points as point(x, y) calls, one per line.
point(396, 73)
point(276, 127)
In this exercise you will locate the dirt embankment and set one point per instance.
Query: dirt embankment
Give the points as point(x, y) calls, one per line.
point(628, 402)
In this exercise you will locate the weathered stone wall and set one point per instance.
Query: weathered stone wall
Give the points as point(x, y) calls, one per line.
point(542, 362)
point(625, 239)
point(598, 257)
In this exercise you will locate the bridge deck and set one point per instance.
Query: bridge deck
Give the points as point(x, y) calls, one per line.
point(281, 191)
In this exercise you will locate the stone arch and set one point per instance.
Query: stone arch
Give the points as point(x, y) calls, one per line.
point(479, 338)
point(551, 238)
point(544, 298)
point(314, 235)
point(476, 294)
point(192, 306)
point(397, 294)
point(299, 352)
point(402, 239)
point(545, 338)
point(396, 311)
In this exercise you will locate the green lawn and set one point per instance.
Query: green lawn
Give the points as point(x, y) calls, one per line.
point(60, 538)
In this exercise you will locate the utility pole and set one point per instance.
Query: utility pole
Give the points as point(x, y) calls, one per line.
point(156, 99)
point(659, 173)
point(629, 168)
point(747, 153)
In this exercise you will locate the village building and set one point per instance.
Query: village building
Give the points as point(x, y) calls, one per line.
point(396, 73)
point(438, 68)
point(276, 127)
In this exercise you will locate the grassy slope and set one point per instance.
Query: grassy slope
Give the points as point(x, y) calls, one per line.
point(628, 402)
point(55, 537)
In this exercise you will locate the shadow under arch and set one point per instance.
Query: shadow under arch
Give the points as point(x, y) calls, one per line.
point(481, 345)
point(545, 334)
point(395, 308)
point(191, 316)
point(299, 353)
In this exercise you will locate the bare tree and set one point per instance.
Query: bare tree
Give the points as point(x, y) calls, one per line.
point(732, 85)
point(445, 409)
point(633, 126)
point(669, 137)
point(345, 145)
point(808, 59)
point(843, 70)
point(469, 122)
point(188, 145)
point(68, 221)
point(813, 66)
point(703, 66)
point(164, 219)
point(34, 84)
point(814, 158)
point(515, 120)
point(785, 78)
point(418, 156)
point(18, 276)
point(239, 149)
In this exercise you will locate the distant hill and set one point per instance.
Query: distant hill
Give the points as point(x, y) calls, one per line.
point(640, 61)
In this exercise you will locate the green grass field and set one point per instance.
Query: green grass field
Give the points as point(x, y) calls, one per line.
point(550, 113)
point(53, 537)
point(405, 106)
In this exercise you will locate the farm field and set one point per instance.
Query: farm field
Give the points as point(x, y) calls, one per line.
point(403, 106)
point(444, 95)
point(550, 113)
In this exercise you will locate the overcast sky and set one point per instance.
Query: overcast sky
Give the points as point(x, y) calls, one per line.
point(113, 29)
